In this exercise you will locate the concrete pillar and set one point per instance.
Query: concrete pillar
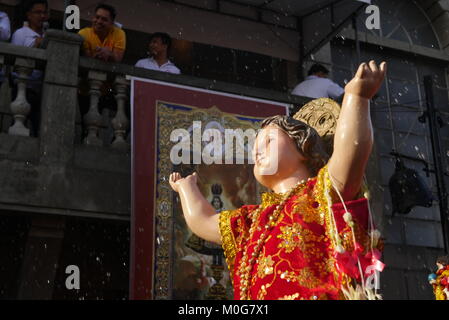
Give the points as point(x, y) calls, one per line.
point(41, 258)
point(59, 98)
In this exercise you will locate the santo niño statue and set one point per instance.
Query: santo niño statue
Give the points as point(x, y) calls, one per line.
point(312, 237)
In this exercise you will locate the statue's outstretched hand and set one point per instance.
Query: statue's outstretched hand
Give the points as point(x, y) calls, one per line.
point(368, 79)
point(176, 180)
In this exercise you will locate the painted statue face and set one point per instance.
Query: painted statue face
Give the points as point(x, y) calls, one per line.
point(275, 156)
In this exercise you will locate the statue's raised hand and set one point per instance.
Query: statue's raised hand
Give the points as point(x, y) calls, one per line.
point(367, 80)
point(176, 181)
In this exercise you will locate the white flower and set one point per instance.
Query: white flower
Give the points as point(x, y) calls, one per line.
point(340, 249)
point(347, 217)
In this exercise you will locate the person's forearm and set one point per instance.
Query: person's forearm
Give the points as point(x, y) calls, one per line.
point(199, 213)
point(117, 56)
point(352, 143)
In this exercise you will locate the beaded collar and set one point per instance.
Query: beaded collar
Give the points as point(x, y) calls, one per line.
point(272, 198)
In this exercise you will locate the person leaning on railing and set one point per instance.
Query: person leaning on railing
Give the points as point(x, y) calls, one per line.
point(105, 41)
point(31, 35)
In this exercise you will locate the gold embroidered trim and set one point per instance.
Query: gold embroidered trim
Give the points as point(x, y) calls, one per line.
point(305, 278)
point(304, 205)
point(290, 297)
point(265, 267)
point(227, 238)
point(271, 198)
point(323, 185)
point(295, 236)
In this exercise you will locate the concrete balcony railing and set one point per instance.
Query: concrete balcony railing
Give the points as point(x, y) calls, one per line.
point(79, 162)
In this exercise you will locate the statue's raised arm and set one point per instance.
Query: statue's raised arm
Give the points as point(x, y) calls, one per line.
point(354, 134)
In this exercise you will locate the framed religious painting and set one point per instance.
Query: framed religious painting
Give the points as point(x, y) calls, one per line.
point(183, 129)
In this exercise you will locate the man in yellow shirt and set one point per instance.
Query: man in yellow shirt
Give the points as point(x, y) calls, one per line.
point(104, 41)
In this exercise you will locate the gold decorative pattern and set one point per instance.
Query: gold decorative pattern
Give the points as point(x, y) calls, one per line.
point(322, 115)
point(305, 277)
point(295, 236)
point(263, 291)
point(271, 198)
point(323, 183)
point(290, 297)
point(227, 239)
point(308, 209)
point(265, 267)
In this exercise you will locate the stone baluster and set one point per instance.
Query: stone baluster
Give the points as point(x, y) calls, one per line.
point(92, 120)
point(120, 123)
point(20, 108)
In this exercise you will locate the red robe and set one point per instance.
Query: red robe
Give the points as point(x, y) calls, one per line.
point(297, 260)
point(442, 282)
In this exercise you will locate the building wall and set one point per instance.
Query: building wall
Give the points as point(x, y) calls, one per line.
point(413, 241)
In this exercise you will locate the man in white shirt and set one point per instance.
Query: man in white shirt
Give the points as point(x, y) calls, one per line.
point(5, 27)
point(317, 85)
point(31, 35)
point(159, 47)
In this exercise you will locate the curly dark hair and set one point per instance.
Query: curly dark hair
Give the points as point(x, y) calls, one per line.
point(307, 139)
point(444, 260)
